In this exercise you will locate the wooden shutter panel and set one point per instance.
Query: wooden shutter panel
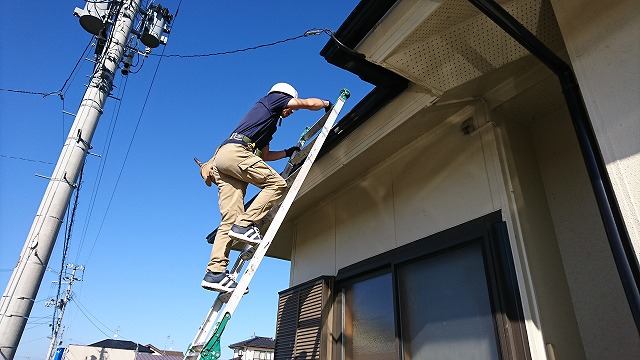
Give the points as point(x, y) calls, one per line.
point(302, 319)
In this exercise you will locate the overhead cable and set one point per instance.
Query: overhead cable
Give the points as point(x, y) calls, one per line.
point(60, 92)
point(307, 33)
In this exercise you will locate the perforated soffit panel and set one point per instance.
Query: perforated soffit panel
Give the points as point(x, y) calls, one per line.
point(457, 43)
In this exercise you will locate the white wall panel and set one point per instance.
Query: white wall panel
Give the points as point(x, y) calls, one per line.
point(314, 250)
point(599, 302)
point(603, 41)
point(440, 185)
point(365, 219)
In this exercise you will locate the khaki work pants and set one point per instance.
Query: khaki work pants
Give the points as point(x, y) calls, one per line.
point(234, 167)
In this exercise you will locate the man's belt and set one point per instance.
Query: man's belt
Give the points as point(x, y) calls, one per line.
point(244, 138)
point(247, 140)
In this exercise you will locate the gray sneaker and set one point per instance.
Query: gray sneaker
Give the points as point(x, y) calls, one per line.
point(249, 234)
point(221, 282)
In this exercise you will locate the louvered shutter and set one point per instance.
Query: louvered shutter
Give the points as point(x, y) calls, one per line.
point(302, 319)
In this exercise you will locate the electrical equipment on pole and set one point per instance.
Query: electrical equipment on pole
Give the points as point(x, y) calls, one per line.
point(61, 305)
point(112, 22)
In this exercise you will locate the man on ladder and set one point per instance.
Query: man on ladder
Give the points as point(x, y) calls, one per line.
point(240, 160)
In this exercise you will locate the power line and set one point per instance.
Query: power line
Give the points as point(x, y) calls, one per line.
point(310, 32)
point(91, 321)
point(25, 159)
point(103, 161)
point(144, 105)
point(307, 33)
point(60, 92)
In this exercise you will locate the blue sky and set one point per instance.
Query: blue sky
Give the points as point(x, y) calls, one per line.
point(142, 240)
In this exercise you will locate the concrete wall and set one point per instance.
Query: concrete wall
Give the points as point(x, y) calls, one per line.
point(603, 41)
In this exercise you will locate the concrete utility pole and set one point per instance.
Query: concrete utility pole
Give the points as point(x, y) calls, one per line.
point(21, 291)
point(61, 304)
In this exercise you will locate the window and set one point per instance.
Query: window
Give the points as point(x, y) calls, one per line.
point(261, 355)
point(369, 320)
point(445, 307)
point(452, 295)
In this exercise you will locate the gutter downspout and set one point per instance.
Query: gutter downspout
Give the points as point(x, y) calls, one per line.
point(619, 240)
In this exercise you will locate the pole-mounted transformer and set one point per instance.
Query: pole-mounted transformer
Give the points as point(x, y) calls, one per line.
point(112, 22)
point(156, 23)
point(94, 15)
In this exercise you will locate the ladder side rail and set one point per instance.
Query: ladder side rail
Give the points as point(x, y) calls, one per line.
point(210, 320)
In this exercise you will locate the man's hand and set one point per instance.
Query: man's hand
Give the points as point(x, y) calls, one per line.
point(289, 152)
point(328, 107)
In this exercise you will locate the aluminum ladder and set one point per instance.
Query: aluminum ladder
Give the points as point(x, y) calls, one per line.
point(206, 344)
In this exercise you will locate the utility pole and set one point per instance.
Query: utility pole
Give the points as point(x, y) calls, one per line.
point(112, 22)
point(61, 304)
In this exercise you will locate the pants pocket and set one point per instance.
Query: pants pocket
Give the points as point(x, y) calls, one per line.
point(249, 162)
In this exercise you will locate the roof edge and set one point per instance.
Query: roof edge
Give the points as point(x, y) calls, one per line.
point(388, 84)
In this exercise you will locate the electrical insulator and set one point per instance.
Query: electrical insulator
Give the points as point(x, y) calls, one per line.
point(155, 23)
point(94, 16)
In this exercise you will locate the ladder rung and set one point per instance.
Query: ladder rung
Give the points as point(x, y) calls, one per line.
point(196, 348)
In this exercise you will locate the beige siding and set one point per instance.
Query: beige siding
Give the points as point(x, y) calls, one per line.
point(426, 188)
point(603, 41)
point(602, 311)
point(314, 244)
point(440, 185)
point(552, 298)
point(365, 219)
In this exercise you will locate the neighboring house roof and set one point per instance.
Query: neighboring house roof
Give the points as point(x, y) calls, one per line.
point(256, 342)
point(165, 352)
point(147, 356)
point(121, 344)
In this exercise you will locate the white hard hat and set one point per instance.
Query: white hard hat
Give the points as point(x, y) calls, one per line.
point(284, 88)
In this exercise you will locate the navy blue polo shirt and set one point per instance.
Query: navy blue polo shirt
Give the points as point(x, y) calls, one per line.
point(261, 122)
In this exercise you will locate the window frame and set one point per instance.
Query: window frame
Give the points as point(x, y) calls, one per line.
point(490, 232)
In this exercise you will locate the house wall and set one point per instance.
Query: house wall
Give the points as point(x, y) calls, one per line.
point(603, 315)
point(77, 352)
point(551, 302)
point(432, 185)
point(603, 42)
point(443, 179)
point(535, 175)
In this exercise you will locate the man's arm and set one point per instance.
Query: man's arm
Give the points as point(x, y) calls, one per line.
point(268, 155)
point(309, 104)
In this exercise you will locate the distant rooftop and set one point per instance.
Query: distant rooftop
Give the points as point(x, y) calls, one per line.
point(146, 356)
point(257, 342)
point(121, 344)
